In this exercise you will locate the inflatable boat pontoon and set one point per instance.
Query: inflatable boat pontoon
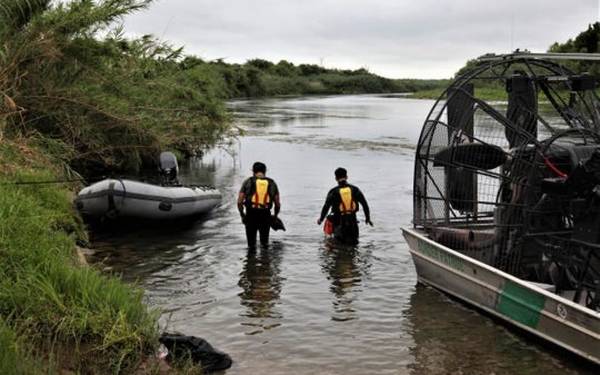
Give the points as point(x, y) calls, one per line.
point(127, 198)
point(114, 198)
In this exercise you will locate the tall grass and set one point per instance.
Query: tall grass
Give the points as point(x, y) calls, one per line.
point(58, 306)
point(14, 358)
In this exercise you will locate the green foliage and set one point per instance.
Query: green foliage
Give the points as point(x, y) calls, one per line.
point(57, 305)
point(587, 41)
point(260, 64)
point(13, 358)
point(261, 78)
point(112, 103)
point(285, 69)
point(311, 69)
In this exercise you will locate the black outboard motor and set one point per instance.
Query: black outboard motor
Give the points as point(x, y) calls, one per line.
point(168, 168)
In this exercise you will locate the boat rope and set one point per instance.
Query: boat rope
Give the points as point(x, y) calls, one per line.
point(85, 181)
point(49, 182)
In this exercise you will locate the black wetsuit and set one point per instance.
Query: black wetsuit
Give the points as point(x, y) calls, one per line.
point(258, 219)
point(345, 226)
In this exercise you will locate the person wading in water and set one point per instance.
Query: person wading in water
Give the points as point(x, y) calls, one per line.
point(344, 201)
point(257, 196)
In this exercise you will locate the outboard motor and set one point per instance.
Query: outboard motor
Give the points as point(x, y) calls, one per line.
point(168, 168)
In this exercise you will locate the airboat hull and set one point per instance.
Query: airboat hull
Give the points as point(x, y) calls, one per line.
point(518, 302)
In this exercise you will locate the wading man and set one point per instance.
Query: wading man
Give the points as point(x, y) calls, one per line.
point(344, 201)
point(257, 196)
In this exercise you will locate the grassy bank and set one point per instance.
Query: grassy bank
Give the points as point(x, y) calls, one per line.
point(73, 316)
point(75, 103)
point(488, 93)
point(14, 358)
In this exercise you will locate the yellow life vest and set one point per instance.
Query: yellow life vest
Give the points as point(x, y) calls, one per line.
point(261, 199)
point(347, 204)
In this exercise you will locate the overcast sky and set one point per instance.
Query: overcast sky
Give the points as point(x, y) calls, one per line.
point(393, 38)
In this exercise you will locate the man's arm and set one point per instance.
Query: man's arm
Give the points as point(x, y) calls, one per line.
point(276, 199)
point(241, 200)
point(363, 202)
point(277, 205)
point(325, 209)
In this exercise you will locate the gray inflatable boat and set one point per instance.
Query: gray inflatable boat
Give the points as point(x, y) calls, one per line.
point(115, 198)
point(127, 198)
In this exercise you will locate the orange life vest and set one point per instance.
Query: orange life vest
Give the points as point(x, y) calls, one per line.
point(347, 204)
point(260, 198)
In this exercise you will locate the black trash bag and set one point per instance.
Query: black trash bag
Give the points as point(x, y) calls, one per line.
point(196, 349)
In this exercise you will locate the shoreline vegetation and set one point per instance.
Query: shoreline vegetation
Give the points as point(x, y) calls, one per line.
point(79, 100)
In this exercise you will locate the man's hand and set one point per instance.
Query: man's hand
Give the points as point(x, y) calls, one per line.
point(369, 222)
point(319, 221)
point(243, 217)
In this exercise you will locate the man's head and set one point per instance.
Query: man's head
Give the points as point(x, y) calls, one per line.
point(259, 167)
point(341, 174)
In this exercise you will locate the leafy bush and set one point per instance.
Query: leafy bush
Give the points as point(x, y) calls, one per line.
point(111, 103)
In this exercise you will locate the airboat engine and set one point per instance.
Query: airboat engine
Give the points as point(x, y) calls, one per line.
point(168, 167)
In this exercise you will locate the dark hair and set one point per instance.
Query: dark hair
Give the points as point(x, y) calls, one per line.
point(341, 173)
point(259, 167)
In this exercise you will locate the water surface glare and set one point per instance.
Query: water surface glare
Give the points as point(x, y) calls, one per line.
point(303, 307)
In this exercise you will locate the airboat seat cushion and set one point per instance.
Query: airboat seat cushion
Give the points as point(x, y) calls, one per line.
point(472, 155)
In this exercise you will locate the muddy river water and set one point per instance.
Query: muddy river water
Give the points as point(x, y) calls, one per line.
point(303, 307)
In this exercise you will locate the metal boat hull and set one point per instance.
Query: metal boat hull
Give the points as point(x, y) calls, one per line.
point(520, 303)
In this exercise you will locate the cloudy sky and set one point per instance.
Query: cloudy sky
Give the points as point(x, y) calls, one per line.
point(394, 38)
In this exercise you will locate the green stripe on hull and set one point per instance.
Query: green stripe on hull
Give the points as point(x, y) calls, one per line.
point(520, 304)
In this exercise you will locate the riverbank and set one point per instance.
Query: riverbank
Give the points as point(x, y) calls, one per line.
point(50, 305)
point(485, 93)
point(76, 105)
point(259, 78)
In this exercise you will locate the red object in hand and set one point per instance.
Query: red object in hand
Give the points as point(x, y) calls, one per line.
point(328, 227)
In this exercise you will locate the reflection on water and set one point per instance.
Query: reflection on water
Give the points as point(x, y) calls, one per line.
point(345, 268)
point(304, 306)
point(451, 339)
point(261, 281)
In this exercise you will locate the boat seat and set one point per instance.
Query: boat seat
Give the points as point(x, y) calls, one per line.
point(475, 243)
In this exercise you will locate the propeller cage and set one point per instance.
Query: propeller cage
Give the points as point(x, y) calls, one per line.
point(491, 177)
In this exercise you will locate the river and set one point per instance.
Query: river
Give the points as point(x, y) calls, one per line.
point(302, 307)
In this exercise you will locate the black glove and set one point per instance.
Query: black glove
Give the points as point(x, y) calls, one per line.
point(369, 222)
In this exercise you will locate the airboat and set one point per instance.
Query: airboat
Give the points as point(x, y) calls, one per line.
point(507, 196)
